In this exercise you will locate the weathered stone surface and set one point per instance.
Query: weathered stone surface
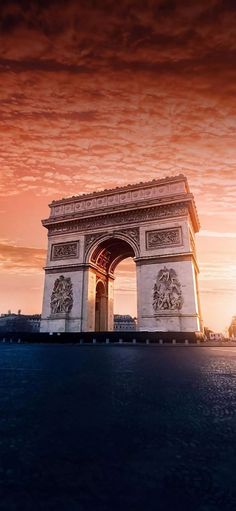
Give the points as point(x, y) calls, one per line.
point(152, 222)
point(163, 238)
point(154, 190)
point(64, 250)
point(118, 218)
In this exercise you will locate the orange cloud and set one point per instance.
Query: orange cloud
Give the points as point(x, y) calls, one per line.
point(20, 260)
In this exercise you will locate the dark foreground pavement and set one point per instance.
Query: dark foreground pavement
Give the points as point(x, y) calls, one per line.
point(117, 427)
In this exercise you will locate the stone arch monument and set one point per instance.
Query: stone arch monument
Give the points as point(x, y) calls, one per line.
point(88, 235)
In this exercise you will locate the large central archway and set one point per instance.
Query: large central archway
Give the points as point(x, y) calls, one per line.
point(125, 291)
point(102, 259)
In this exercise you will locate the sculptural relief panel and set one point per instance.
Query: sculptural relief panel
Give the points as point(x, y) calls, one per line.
point(69, 208)
point(125, 197)
point(57, 210)
point(113, 200)
point(78, 206)
point(62, 296)
point(162, 238)
point(167, 293)
point(64, 250)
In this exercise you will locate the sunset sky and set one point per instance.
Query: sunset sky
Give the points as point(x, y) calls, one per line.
point(96, 94)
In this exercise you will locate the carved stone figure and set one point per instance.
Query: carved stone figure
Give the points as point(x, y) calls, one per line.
point(167, 293)
point(62, 296)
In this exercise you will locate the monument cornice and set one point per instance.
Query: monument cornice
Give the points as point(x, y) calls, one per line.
point(133, 216)
point(135, 186)
point(171, 314)
point(154, 192)
point(165, 258)
point(78, 267)
point(63, 268)
point(116, 216)
point(123, 207)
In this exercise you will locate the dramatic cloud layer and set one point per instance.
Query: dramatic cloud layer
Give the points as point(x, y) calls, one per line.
point(99, 94)
point(14, 258)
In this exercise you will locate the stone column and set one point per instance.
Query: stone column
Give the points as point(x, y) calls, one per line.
point(110, 304)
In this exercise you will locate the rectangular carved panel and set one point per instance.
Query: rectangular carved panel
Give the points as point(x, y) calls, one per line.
point(64, 250)
point(162, 238)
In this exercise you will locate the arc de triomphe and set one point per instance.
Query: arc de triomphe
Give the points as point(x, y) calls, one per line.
point(153, 222)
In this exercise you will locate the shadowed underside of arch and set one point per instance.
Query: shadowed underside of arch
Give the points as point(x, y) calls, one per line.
point(108, 254)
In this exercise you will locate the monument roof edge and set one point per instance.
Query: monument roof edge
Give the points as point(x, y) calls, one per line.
point(194, 214)
point(130, 186)
point(187, 198)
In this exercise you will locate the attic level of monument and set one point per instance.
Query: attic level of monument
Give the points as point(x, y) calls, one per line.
point(138, 196)
point(155, 224)
point(107, 191)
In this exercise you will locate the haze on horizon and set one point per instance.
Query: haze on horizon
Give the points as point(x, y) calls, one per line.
point(96, 95)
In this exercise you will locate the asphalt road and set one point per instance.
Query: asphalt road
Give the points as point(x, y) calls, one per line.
point(117, 427)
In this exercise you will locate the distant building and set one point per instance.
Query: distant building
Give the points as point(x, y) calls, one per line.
point(207, 332)
point(232, 328)
point(216, 336)
point(12, 322)
point(124, 323)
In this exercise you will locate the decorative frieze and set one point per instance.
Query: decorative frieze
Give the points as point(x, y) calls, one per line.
point(124, 217)
point(134, 194)
point(162, 238)
point(167, 293)
point(62, 296)
point(64, 250)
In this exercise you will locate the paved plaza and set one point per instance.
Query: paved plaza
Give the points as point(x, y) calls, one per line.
point(117, 427)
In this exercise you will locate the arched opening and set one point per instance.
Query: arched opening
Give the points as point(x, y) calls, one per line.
point(125, 288)
point(100, 308)
point(109, 253)
point(103, 261)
